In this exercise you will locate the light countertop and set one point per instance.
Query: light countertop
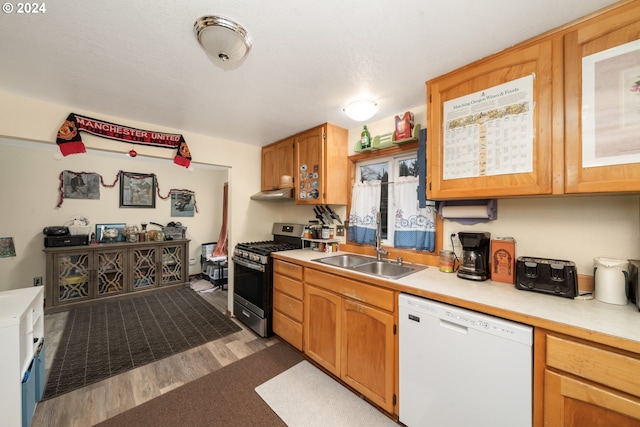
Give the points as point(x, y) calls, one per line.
point(589, 319)
point(13, 303)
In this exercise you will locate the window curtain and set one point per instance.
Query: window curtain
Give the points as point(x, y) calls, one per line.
point(365, 204)
point(415, 227)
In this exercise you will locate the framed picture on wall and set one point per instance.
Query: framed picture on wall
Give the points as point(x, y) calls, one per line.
point(182, 203)
point(109, 233)
point(137, 190)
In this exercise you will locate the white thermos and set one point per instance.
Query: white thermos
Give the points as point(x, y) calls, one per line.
point(611, 278)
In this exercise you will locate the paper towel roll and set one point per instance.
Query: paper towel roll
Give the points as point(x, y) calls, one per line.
point(473, 211)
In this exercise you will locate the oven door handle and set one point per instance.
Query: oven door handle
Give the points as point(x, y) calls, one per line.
point(248, 264)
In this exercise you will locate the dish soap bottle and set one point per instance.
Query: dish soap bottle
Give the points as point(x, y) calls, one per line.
point(365, 138)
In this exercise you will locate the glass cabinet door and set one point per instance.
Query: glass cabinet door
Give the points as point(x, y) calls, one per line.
point(172, 264)
point(144, 267)
point(72, 277)
point(110, 272)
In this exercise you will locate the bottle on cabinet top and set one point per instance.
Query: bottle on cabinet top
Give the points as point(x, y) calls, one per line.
point(365, 138)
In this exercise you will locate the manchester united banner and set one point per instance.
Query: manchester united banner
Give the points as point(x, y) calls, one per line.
point(70, 142)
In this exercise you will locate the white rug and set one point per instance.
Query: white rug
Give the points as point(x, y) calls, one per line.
point(202, 286)
point(304, 396)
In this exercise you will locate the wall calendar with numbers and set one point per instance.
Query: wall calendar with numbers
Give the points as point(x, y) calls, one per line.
point(490, 132)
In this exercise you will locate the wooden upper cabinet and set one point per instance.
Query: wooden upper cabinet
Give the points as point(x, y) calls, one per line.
point(530, 59)
point(611, 29)
point(277, 160)
point(321, 165)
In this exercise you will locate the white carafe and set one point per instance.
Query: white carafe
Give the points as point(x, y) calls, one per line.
point(611, 277)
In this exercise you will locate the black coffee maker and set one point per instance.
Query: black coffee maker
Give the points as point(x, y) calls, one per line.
point(475, 255)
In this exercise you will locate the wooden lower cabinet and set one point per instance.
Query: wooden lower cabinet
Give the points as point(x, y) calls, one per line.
point(368, 352)
point(287, 302)
point(322, 327)
point(348, 335)
point(589, 385)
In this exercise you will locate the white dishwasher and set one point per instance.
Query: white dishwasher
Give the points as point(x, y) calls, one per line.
point(460, 368)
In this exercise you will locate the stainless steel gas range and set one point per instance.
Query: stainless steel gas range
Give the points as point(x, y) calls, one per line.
point(253, 276)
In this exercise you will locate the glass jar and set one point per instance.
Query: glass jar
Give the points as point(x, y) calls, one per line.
point(447, 259)
point(326, 232)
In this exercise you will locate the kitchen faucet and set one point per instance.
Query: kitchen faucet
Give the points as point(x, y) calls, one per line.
point(380, 251)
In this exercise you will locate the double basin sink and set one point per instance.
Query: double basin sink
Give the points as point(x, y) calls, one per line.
point(369, 265)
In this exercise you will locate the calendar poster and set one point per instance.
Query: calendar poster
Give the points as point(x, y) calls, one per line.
point(490, 132)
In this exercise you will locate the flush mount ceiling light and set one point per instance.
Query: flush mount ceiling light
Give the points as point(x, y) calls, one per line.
point(226, 41)
point(361, 110)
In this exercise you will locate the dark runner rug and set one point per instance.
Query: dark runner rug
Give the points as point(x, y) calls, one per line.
point(226, 397)
point(113, 337)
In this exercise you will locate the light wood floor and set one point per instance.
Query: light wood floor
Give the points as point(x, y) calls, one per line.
point(97, 402)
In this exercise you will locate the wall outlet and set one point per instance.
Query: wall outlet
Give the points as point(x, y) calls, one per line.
point(340, 230)
point(192, 261)
point(37, 281)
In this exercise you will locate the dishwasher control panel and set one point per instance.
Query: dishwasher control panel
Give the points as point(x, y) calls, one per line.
point(457, 317)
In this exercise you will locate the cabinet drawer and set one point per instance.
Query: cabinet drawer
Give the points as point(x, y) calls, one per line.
point(286, 268)
point(287, 305)
point(288, 286)
point(596, 364)
point(372, 295)
point(287, 329)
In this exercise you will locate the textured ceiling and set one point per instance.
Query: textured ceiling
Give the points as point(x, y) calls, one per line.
point(140, 60)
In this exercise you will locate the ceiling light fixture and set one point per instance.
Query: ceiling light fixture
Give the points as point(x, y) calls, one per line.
point(226, 41)
point(361, 110)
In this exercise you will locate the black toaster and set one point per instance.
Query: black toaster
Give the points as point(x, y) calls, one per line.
point(550, 276)
point(633, 290)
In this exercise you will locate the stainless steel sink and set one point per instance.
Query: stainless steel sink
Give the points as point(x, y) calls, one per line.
point(387, 269)
point(345, 261)
point(369, 265)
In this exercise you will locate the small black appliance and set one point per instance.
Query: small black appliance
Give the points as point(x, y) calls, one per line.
point(55, 230)
point(61, 241)
point(551, 276)
point(475, 255)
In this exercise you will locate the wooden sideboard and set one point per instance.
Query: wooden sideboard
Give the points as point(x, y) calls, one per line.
point(83, 275)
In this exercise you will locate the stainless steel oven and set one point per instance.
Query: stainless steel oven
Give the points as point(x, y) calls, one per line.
point(253, 276)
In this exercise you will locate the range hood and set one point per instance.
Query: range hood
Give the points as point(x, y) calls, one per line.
point(281, 195)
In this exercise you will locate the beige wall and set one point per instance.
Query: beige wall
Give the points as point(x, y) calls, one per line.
point(36, 172)
point(575, 228)
point(33, 194)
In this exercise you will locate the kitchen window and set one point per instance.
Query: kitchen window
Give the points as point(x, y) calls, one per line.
point(387, 170)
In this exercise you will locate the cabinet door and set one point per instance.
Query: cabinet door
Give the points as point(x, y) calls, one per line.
point(277, 160)
point(144, 268)
point(72, 276)
point(322, 327)
point(110, 272)
point(310, 168)
point(173, 264)
point(368, 352)
point(609, 129)
point(535, 59)
point(571, 402)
